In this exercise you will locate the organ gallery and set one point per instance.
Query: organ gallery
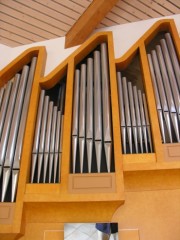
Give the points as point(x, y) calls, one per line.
point(95, 140)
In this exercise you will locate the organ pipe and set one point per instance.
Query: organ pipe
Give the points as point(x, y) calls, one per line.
point(92, 98)
point(15, 98)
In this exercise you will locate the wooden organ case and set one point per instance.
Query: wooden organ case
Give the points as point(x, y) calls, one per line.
point(92, 178)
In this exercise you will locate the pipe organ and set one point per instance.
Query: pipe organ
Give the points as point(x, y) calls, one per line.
point(165, 69)
point(135, 124)
point(15, 96)
point(92, 124)
point(73, 143)
point(47, 147)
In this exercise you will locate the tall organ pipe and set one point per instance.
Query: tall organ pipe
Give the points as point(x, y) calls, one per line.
point(121, 111)
point(147, 122)
point(92, 110)
point(19, 143)
point(133, 118)
point(171, 74)
point(9, 116)
point(174, 58)
point(14, 130)
point(60, 120)
point(75, 118)
point(143, 121)
point(4, 106)
point(106, 105)
point(127, 113)
point(82, 118)
point(138, 118)
point(47, 140)
point(157, 98)
point(169, 93)
point(107, 125)
point(97, 108)
point(1, 95)
point(42, 137)
point(37, 134)
point(89, 113)
point(52, 142)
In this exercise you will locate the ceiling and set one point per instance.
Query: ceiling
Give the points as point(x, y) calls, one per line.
point(27, 21)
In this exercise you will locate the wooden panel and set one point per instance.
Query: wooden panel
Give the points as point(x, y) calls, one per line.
point(6, 213)
point(174, 2)
point(43, 231)
point(56, 19)
point(129, 234)
point(42, 18)
point(116, 16)
point(132, 10)
point(168, 5)
point(17, 38)
point(142, 7)
point(158, 8)
point(66, 13)
point(172, 152)
point(20, 32)
point(107, 21)
point(121, 11)
point(97, 183)
point(53, 234)
point(8, 42)
point(78, 6)
point(24, 25)
point(28, 19)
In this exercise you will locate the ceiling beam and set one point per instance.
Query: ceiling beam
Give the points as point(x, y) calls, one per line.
point(87, 22)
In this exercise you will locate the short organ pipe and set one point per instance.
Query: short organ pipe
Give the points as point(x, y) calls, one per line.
point(47, 146)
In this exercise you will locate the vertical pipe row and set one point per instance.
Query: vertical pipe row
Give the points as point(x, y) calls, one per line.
point(47, 147)
point(91, 120)
point(165, 73)
point(14, 102)
point(134, 118)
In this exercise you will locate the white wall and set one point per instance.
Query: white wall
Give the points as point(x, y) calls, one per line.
point(124, 35)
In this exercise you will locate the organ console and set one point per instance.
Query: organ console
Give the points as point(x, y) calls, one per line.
point(71, 141)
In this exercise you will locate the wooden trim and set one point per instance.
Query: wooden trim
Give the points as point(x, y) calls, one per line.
point(88, 21)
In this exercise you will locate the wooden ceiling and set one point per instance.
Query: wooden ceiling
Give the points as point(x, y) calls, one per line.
point(28, 21)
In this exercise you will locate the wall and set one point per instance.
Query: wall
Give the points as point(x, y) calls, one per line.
point(124, 35)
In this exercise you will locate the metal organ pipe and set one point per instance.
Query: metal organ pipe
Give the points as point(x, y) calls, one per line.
point(97, 109)
point(75, 119)
point(95, 143)
point(15, 98)
point(89, 113)
point(165, 74)
point(47, 147)
point(106, 106)
point(52, 142)
point(138, 118)
point(173, 56)
point(82, 110)
point(121, 111)
point(134, 117)
point(37, 135)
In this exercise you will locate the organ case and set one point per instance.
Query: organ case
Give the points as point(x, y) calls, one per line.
point(83, 193)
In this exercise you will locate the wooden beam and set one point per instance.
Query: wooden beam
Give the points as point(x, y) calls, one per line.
point(92, 16)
